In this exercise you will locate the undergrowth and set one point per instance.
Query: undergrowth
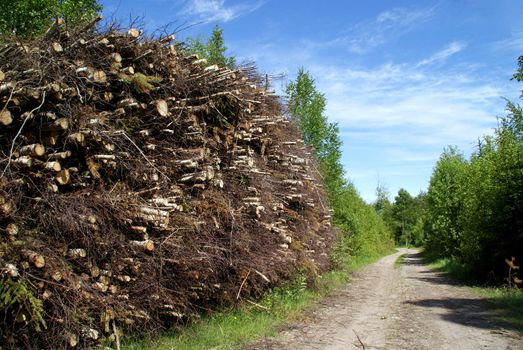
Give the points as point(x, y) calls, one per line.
point(232, 328)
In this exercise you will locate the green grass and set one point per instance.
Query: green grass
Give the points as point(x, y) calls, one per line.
point(507, 303)
point(399, 261)
point(453, 268)
point(232, 328)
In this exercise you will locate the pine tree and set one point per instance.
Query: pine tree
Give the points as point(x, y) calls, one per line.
point(213, 50)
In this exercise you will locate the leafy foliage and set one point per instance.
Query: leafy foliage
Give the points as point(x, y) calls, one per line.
point(307, 105)
point(445, 200)
point(475, 207)
point(519, 73)
point(405, 218)
point(141, 83)
point(28, 18)
point(213, 50)
point(18, 304)
point(363, 231)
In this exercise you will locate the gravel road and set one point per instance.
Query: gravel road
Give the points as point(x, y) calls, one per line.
point(410, 307)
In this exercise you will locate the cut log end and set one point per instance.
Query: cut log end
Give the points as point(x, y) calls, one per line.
point(12, 229)
point(133, 33)
point(100, 77)
point(162, 108)
point(57, 47)
point(146, 245)
point(34, 258)
point(5, 117)
point(63, 177)
point(35, 149)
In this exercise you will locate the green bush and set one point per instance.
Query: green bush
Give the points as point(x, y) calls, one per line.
point(475, 207)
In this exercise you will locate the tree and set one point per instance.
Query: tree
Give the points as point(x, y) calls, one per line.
point(363, 230)
point(27, 19)
point(307, 105)
point(474, 207)
point(406, 212)
point(519, 73)
point(382, 204)
point(445, 200)
point(213, 50)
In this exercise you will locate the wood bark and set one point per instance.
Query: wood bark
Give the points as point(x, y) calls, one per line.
point(35, 150)
point(146, 245)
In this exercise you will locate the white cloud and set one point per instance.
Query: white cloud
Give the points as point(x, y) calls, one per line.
point(395, 118)
point(399, 104)
point(217, 10)
point(442, 55)
point(388, 24)
point(512, 43)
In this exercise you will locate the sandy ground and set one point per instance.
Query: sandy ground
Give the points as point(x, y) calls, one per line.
point(411, 307)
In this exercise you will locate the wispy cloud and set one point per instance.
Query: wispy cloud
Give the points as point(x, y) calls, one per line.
point(395, 117)
point(512, 43)
point(387, 25)
point(403, 104)
point(442, 55)
point(217, 10)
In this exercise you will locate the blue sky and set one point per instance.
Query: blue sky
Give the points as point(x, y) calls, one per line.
point(403, 79)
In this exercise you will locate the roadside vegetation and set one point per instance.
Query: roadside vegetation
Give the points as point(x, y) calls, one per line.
point(473, 215)
point(506, 301)
point(232, 328)
point(399, 261)
point(474, 206)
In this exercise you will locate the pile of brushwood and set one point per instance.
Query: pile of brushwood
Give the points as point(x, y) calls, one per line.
point(141, 187)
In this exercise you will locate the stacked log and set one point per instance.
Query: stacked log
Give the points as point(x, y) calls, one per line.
point(141, 186)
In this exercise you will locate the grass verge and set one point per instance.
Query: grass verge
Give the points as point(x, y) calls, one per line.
point(399, 261)
point(507, 303)
point(233, 328)
point(451, 267)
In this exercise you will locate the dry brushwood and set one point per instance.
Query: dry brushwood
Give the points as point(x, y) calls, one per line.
point(140, 188)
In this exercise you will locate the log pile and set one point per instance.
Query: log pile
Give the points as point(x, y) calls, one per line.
point(141, 187)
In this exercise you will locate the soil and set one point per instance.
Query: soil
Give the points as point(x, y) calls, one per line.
point(406, 307)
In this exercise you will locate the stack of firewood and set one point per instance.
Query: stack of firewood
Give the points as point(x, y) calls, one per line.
point(141, 186)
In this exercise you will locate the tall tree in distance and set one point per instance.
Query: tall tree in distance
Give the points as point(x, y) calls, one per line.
point(405, 213)
point(26, 19)
point(383, 205)
point(307, 105)
point(363, 231)
point(213, 50)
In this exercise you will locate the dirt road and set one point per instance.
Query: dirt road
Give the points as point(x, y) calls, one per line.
point(411, 307)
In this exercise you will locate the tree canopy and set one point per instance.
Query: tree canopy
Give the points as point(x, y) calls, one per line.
point(307, 105)
point(26, 19)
